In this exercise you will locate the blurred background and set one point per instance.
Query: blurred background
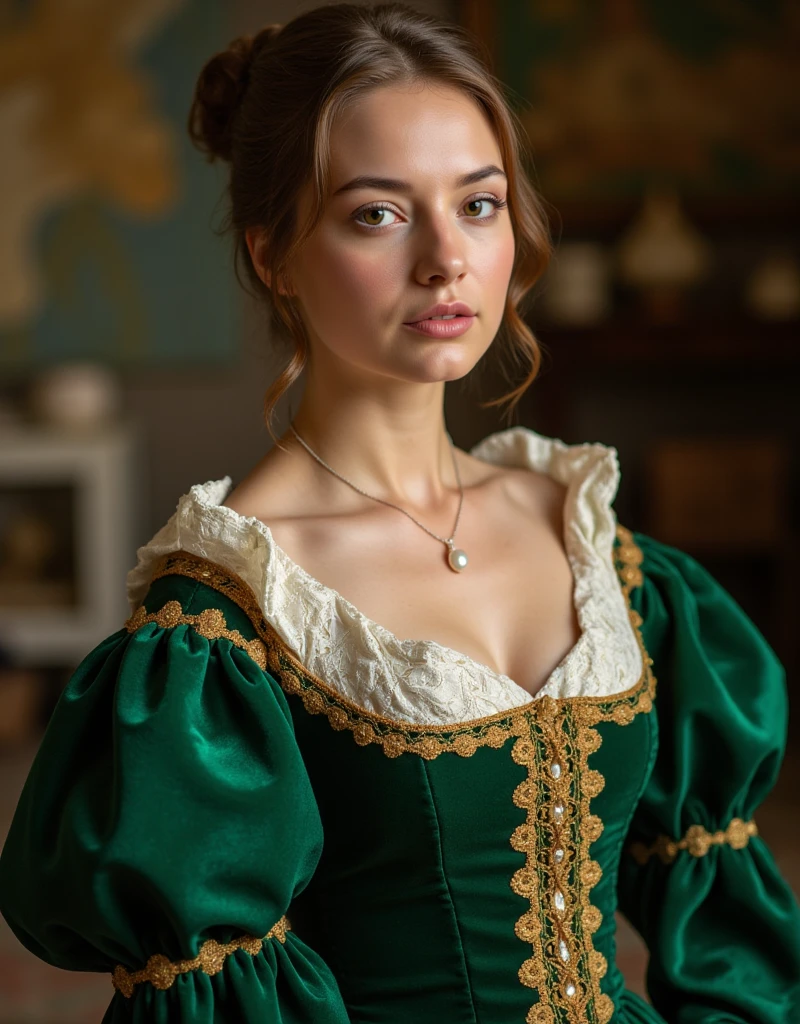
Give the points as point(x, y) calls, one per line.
point(665, 138)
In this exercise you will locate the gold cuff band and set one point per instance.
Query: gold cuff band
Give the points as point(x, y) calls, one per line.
point(160, 971)
point(697, 841)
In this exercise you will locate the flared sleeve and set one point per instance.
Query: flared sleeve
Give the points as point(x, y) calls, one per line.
point(696, 879)
point(168, 821)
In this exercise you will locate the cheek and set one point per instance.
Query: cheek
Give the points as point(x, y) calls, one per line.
point(492, 265)
point(360, 279)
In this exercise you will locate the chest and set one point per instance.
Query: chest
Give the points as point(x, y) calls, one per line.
point(511, 610)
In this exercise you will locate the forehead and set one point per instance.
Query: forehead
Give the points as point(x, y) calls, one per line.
point(412, 131)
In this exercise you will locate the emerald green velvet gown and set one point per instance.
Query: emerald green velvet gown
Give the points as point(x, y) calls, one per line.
point(233, 838)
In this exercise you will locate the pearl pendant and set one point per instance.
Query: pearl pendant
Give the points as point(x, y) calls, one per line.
point(457, 559)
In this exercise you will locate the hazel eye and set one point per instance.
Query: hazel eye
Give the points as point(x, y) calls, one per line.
point(482, 199)
point(378, 211)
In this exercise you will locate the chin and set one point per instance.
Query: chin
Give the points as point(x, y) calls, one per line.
point(432, 371)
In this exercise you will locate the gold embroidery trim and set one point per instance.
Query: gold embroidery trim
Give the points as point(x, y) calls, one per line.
point(697, 841)
point(395, 736)
point(161, 972)
point(629, 555)
point(559, 871)
point(210, 623)
point(565, 969)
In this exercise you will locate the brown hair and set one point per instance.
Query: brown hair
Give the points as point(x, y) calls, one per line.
point(267, 104)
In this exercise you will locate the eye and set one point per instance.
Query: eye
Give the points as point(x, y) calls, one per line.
point(380, 209)
point(377, 208)
point(497, 204)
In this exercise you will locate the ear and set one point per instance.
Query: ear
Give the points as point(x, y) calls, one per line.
point(257, 246)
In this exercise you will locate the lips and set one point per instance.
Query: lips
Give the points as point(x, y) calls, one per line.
point(444, 329)
point(443, 309)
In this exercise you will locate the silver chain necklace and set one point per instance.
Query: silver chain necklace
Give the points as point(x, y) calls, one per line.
point(456, 558)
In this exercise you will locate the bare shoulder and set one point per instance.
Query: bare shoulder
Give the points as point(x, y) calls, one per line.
point(276, 488)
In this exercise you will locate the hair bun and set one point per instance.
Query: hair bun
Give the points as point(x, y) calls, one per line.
point(219, 90)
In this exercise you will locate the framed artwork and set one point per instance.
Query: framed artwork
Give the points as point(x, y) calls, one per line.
point(618, 95)
point(107, 212)
point(67, 539)
point(37, 545)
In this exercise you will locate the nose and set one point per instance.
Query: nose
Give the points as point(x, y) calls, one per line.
point(441, 251)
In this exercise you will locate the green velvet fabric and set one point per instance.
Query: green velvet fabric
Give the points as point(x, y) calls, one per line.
point(167, 804)
point(181, 794)
point(723, 929)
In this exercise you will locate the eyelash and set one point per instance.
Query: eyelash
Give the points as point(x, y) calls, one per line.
point(499, 204)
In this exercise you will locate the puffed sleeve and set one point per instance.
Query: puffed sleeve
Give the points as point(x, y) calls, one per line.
point(696, 879)
point(168, 821)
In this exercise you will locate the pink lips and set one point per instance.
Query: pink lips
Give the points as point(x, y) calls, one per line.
point(443, 309)
point(443, 328)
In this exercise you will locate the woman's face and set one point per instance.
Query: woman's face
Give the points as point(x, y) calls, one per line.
point(382, 255)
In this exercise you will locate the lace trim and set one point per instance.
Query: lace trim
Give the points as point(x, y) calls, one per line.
point(398, 737)
point(697, 841)
point(161, 972)
point(209, 623)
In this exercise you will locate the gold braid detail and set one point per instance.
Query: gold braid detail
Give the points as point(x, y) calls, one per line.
point(210, 623)
point(697, 841)
point(161, 972)
point(629, 556)
point(554, 745)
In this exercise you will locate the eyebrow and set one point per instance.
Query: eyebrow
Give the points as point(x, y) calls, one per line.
point(393, 185)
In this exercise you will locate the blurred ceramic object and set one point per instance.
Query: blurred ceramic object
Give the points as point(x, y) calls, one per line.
point(662, 254)
point(772, 291)
point(76, 396)
point(577, 289)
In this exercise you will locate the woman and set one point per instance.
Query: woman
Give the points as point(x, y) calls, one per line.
point(259, 800)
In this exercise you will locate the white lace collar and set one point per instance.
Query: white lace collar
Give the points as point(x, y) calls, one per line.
point(421, 681)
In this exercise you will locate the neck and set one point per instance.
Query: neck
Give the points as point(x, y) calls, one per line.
point(401, 455)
